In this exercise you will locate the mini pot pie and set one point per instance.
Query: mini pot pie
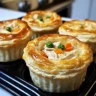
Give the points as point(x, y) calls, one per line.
point(57, 63)
point(84, 30)
point(43, 22)
point(14, 35)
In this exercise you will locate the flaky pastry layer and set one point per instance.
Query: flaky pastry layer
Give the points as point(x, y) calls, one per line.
point(84, 30)
point(43, 20)
point(14, 35)
point(58, 68)
point(14, 32)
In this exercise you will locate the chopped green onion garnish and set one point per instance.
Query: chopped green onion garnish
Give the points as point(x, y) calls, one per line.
point(8, 29)
point(61, 46)
point(48, 17)
point(49, 44)
point(40, 18)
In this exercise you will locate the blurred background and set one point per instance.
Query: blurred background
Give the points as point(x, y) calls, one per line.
point(75, 9)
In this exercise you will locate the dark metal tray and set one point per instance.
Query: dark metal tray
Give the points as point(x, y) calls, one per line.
point(14, 77)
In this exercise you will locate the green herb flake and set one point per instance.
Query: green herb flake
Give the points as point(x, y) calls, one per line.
point(49, 44)
point(61, 46)
point(40, 18)
point(8, 29)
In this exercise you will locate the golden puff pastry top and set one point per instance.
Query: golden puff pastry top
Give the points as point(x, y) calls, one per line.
point(84, 30)
point(13, 31)
point(43, 19)
point(74, 56)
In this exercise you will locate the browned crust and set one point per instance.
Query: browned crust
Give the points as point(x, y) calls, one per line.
point(18, 35)
point(66, 26)
point(57, 21)
point(52, 66)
